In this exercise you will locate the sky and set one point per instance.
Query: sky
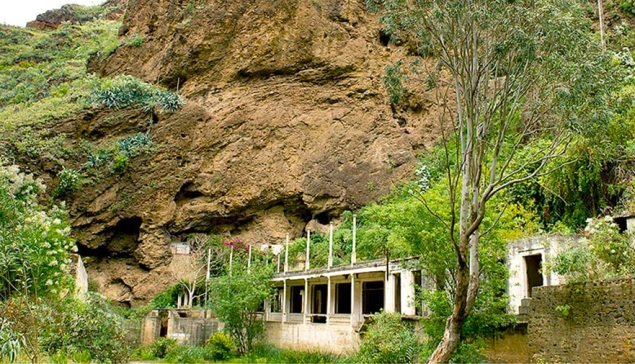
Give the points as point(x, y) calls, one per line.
point(19, 12)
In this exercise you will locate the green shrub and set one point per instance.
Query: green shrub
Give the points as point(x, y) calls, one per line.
point(86, 331)
point(98, 159)
point(135, 40)
point(270, 354)
point(143, 353)
point(221, 346)
point(188, 354)
point(132, 145)
point(628, 6)
point(10, 341)
point(161, 346)
point(124, 91)
point(120, 162)
point(69, 181)
point(389, 340)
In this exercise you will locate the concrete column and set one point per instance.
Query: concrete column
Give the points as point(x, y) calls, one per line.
point(306, 300)
point(353, 321)
point(389, 294)
point(330, 245)
point(354, 252)
point(307, 264)
point(284, 301)
point(408, 293)
point(328, 299)
point(286, 255)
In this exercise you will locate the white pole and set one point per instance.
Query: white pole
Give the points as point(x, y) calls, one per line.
point(209, 256)
point(354, 252)
point(231, 259)
point(284, 301)
point(286, 255)
point(249, 261)
point(307, 264)
point(330, 245)
point(278, 263)
point(601, 19)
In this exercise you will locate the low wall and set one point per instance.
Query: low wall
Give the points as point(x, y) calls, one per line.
point(189, 327)
point(591, 322)
point(338, 339)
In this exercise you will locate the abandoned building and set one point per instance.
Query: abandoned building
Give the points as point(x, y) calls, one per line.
point(528, 258)
point(325, 308)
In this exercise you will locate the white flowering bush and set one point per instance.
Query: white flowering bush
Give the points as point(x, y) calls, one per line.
point(423, 177)
point(603, 253)
point(34, 242)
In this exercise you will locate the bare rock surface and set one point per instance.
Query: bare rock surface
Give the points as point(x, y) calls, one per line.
point(287, 122)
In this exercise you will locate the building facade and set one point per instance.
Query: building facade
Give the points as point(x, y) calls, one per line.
point(326, 308)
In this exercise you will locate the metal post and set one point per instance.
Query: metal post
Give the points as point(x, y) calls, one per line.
point(307, 264)
point(286, 255)
point(354, 252)
point(330, 263)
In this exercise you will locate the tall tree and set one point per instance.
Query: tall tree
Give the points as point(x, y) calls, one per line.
point(514, 79)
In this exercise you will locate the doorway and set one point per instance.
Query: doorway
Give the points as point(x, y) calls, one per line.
point(534, 275)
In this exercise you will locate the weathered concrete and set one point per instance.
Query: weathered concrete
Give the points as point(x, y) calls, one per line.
point(188, 327)
point(546, 247)
point(339, 339)
point(591, 322)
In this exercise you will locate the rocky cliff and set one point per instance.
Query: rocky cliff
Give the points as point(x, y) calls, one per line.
point(286, 123)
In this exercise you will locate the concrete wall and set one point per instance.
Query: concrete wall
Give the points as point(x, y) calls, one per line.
point(186, 326)
point(77, 269)
point(191, 330)
point(546, 246)
point(599, 326)
point(331, 338)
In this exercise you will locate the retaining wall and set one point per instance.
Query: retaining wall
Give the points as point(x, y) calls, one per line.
point(590, 322)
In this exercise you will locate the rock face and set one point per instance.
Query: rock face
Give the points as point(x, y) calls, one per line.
point(287, 122)
point(52, 19)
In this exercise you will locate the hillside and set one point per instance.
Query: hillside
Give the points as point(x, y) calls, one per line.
point(284, 126)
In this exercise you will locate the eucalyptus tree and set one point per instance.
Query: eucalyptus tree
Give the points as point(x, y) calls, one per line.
point(515, 79)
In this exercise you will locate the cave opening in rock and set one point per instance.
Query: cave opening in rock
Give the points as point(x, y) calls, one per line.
point(125, 236)
point(384, 38)
point(186, 192)
point(323, 218)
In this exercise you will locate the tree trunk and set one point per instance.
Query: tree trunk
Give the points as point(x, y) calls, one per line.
point(449, 343)
point(454, 323)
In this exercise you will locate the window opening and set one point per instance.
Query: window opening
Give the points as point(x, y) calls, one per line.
point(372, 297)
point(343, 298)
point(297, 294)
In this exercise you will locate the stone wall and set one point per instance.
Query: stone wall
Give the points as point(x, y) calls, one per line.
point(591, 322)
